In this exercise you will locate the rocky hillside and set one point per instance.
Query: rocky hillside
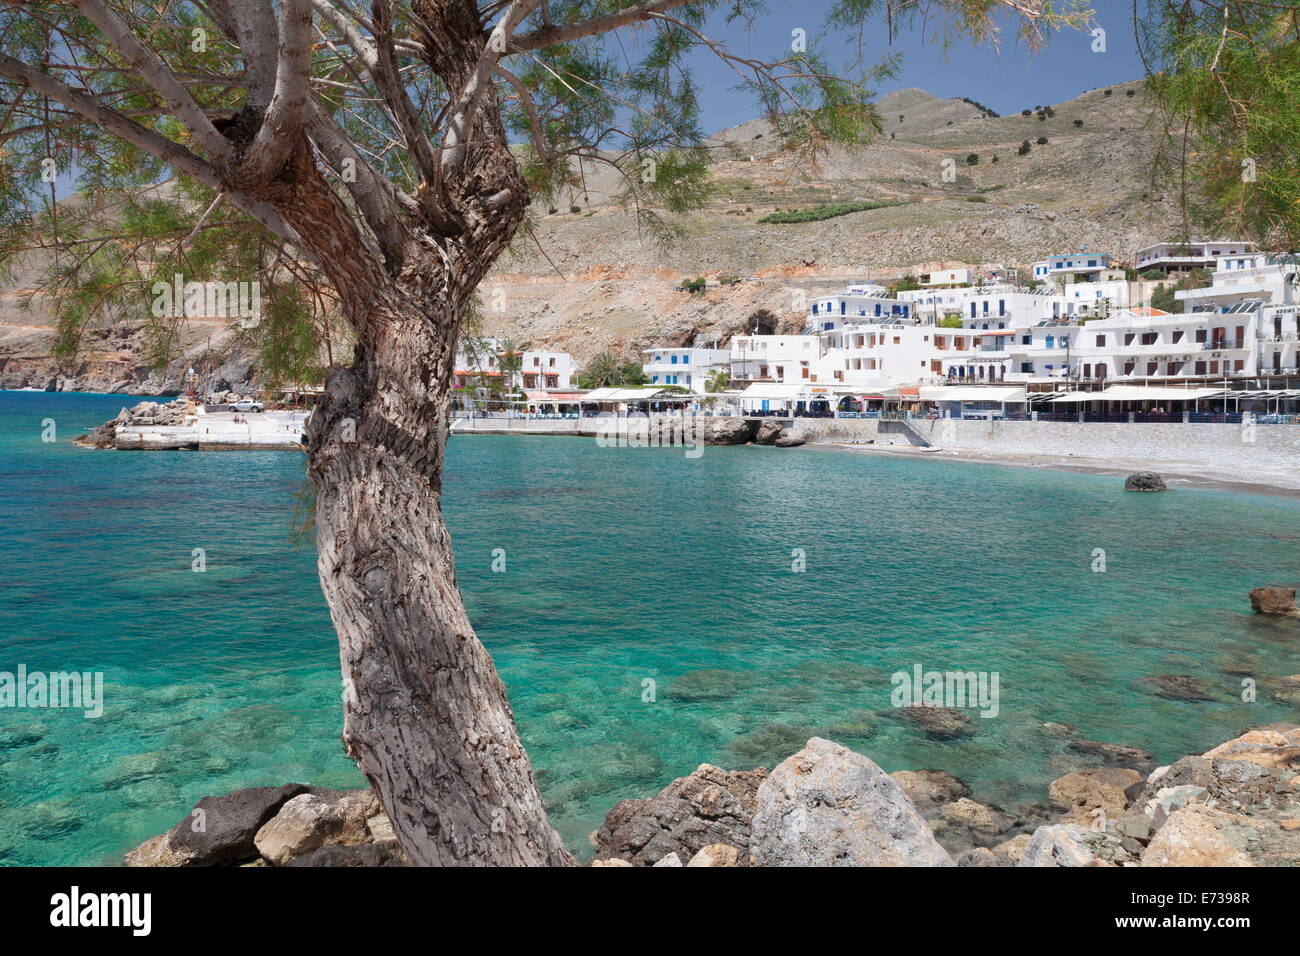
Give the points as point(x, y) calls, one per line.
point(604, 284)
point(592, 280)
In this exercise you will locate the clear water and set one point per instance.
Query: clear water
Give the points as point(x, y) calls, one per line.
point(622, 566)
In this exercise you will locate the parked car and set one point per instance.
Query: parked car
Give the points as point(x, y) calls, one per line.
point(247, 405)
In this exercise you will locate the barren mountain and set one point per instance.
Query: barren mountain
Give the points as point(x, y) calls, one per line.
point(591, 280)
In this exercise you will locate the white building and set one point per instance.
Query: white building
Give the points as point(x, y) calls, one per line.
point(948, 277)
point(773, 358)
point(1170, 257)
point(480, 363)
point(1078, 266)
point(688, 367)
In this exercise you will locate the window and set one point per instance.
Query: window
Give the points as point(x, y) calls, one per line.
point(1051, 343)
point(686, 359)
point(1101, 341)
point(672, 360)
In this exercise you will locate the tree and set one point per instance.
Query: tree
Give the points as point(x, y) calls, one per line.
point(719, 381)
point(1024, 148)
point(372, 164)
point(951, 320)
point(1163, 298)
point(1226, 74)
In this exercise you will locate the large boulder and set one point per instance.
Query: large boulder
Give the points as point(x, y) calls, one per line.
point(1068, 844)
point(829, 806)
point(768, 432)
point(1144, 481)
point(708, 806)
point(1275, 600)
point(312, 820)
point(1085, 792)
point(1198, 835)
point(218, 831)
point(727, 431)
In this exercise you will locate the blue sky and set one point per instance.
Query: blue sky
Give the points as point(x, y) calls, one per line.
point(1007, 78)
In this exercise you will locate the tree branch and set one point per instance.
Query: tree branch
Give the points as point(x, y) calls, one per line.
point(153, 143)
point(549, 36)
point(282, 124)
point(158, 75)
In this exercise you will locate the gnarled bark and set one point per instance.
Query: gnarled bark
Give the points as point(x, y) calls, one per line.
point(426, 715)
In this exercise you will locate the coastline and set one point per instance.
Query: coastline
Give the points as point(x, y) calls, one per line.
point(1184, 474)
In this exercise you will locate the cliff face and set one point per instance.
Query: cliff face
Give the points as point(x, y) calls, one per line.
point(592, 280)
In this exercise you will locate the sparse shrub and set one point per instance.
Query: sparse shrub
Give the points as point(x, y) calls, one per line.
point(824, 211)
point(976, 199)
point(694, 286)
point(994, 159)
point(1129, 92)
point(972, 159)
point(1042, 141)
point(1024, 149)
point(1106, 92)
point(575, 209)
point(1078, 122)
point(552, 211)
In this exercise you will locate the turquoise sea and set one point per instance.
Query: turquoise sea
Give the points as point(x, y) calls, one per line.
point(623, 567)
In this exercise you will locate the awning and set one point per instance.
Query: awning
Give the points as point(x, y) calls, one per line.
point(1141, 393)
point(1156, 393)
point(628, 395)
point(563, 398)
point(772, 390)
point(973, 393)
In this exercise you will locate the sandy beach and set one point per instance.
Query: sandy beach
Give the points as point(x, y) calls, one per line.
point(1175, 473)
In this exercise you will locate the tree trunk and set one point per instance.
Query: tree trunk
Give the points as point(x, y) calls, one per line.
point(426, 716)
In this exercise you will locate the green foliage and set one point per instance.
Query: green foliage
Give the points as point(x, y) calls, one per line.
point(824, 211)
point(607, 370)
point(951, 321)
point(1163, 298)
point(1229, 73)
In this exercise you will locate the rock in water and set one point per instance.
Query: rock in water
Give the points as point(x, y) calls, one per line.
point(708, 806)
point(829, 806)
point(1274, 599)
point(310, 820)
point(768, 432)
point(218, 831)
point(1144, 481)
point(1082, 793)
point(727, 431)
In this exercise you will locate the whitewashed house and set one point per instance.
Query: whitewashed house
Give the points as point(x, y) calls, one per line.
point(688, 367)
point(1176, 257)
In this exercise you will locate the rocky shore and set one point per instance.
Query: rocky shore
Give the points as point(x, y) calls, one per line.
point(1237, 804)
